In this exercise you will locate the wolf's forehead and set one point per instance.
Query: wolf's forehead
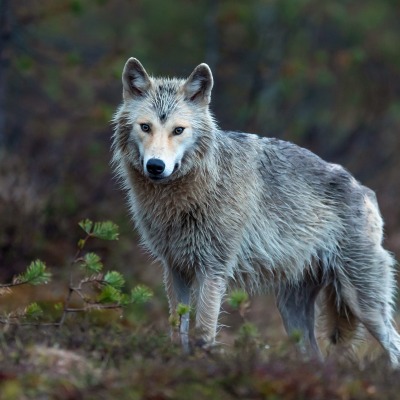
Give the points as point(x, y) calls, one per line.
point(165, 97)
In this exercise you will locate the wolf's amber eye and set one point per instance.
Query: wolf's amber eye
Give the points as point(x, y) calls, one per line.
point(179, 130)
point(145, 127)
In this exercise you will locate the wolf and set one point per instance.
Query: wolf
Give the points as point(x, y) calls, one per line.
point(226, 209)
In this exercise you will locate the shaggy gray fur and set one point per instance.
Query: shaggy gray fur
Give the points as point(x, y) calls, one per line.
point(256, 213)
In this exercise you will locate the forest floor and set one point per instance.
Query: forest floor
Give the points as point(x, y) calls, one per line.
point(101, 355)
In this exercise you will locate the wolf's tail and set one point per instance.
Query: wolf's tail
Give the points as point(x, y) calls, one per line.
point(341, 326)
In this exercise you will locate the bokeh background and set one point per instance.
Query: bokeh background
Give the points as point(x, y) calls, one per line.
point(323, 74)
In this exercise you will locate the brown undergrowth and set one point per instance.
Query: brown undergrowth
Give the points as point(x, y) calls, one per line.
point(97, 356)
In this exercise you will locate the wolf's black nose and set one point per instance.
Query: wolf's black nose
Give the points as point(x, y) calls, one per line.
point(155, 166)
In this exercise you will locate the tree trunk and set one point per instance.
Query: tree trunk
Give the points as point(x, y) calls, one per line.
point(5, 37)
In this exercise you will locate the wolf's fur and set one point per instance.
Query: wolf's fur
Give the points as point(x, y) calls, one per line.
point(236, 208)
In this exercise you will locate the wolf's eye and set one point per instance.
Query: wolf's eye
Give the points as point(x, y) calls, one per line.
point(145, 127)
point(179, 130)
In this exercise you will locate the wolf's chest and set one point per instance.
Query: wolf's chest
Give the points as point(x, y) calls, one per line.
point(175, 224)
point(190, 234)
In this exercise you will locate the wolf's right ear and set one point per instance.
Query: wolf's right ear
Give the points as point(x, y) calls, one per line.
point(199, 84)
point(135, 80)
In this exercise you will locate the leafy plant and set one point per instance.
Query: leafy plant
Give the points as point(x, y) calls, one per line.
point(239, 300)
point(96, 289)
point(93, 288)
point(33, 311)
point(175, 319)
point(247, 335)
point(35, 274)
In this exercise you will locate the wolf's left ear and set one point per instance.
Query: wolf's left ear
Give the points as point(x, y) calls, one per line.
point(199, 84)
point(135, 79)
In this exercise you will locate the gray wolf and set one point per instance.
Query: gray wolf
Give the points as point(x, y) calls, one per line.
point(222, 209)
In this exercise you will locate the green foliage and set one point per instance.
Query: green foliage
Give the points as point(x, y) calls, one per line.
point(182, 309)
point(174, 321)
point(92, 264)
point(248, 331)
point(33, 311)
point(237, 299)
point(296, 336)
point(36, 274)
point(141, 294)
point(247, 337)
point(112, 282)
point(106, 230)
point(93, 289)
point(86, 225)
point(114, 279)
point(109, 294)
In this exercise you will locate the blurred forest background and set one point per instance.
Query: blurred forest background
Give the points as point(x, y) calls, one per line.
point(323, 74)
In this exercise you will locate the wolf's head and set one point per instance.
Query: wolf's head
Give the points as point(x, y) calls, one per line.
point(164, 124)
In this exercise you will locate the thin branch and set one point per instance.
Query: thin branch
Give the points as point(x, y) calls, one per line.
point(8, 322)
point(95, 306)
point(71, 286)
point(12, 284)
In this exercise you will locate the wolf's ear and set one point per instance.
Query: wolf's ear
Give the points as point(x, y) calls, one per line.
point(199, 84)
point(135, 80)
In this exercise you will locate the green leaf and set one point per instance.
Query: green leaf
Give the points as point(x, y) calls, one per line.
point(35, 274)
point(115, 279)
point(106, 230)
point(109, 294)
point(86, 225)
point(92, 263)
point(125, 299)
point(33, 311)
point(238, 298)
point(141, 294)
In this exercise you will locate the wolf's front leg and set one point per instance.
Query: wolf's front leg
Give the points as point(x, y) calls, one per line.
point(178, 291)
point(210, 293)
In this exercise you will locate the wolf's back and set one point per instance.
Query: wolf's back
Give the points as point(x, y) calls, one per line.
point(299, 208)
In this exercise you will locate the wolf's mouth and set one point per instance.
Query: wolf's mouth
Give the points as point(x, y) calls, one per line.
point(156, 177)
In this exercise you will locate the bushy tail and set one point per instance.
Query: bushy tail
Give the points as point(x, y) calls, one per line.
point(341, 326)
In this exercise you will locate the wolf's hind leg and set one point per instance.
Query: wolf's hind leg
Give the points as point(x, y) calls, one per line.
point(296, 304)
point(370, 300)
point(178, 291)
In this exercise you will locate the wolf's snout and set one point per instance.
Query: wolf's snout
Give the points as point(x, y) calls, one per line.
point(155, 166)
